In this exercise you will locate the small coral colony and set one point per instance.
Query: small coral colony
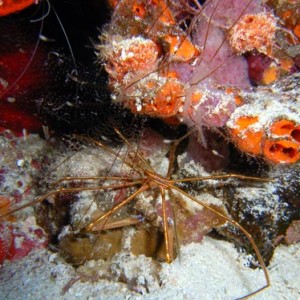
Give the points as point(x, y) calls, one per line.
point(228, 70)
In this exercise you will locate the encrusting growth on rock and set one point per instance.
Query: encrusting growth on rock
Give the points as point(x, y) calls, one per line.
point(198, 75)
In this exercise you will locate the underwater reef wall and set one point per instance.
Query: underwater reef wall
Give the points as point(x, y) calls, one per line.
point(231, 77)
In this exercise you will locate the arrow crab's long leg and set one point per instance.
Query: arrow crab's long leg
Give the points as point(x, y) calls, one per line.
point(236, 224)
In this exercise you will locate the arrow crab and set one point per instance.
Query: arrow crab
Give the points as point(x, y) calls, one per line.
point(89, 216)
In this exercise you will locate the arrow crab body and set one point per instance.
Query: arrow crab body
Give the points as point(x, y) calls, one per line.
point(125, 193)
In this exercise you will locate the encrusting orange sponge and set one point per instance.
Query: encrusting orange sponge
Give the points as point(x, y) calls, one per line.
point(282, 127)
point(181, 48)
point(254, 32)
point(281, 151)
point(11, 6)
point(287, 149)
point(129, 58)
point(277, 140)
point(164, 100)
point(246, 138)
point(288, 12)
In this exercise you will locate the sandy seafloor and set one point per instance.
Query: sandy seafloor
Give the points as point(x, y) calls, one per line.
point(212, 269)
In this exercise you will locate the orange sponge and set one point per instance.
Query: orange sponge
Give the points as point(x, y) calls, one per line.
point(281, 151)
point(247, 139)
point(254, 32)
point(282, 127)
point(165, 15)
point(165, 103)
point(278, 142)
point(181, 48)
point(11, 6)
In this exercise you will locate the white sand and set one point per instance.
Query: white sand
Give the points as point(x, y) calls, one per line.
point(210, 270)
